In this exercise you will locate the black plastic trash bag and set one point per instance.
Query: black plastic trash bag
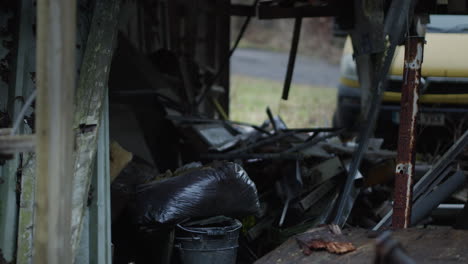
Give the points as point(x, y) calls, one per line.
point(123, 188)
point(221, 188)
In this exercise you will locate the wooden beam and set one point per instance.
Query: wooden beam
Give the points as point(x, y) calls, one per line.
point(17, 143)
point(90, 96)
point(56, 31)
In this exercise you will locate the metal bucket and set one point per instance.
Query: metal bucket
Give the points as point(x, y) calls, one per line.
point(211, 241)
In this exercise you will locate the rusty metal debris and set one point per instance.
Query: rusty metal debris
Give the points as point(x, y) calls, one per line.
point(394, 27)
point(327, 237)
point(407, 136)
point(299, 174)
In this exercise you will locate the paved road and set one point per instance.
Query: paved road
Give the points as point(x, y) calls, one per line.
point(272, 66)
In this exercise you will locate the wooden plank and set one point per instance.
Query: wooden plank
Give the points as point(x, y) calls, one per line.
point(89, 100)
point(432, 245)
point(95, 241)
point(17, 143)
point(56, 32)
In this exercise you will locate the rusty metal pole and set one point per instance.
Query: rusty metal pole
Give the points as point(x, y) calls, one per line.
point(402, 206)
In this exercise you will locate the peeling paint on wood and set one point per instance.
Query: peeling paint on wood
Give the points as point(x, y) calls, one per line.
point(89, 99)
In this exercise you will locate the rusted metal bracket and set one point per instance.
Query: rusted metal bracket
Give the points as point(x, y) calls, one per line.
point(402, 206)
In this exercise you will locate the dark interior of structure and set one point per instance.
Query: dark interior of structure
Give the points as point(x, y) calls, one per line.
point(167, 102)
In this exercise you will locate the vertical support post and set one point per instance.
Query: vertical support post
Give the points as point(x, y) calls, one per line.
point(56, 32)
point(402, 206)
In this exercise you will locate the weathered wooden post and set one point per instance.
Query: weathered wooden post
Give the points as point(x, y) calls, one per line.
point(56, 31)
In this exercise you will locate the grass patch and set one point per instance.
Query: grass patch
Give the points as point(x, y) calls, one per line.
point(308, 106)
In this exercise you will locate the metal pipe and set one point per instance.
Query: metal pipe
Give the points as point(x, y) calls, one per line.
point(407, 135)
point(292, 57)
point(272, 120)
point(425, 205)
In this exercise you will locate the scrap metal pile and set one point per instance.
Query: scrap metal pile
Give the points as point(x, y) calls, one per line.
point(284, 181)
point(301, 173)
point(296, 178)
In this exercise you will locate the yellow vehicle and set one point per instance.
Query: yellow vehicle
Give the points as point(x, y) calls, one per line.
point(444, 88)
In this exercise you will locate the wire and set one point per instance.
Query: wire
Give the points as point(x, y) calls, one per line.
point(207, 87)
point(22, 113)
